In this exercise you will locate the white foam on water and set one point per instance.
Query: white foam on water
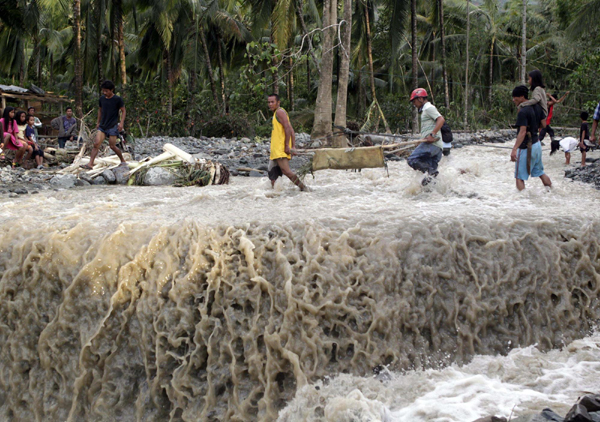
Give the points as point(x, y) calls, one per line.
point(473, 181)
point(523, 382)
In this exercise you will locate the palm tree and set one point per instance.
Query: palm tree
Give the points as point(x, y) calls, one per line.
point(342, 93)
point(323, 106)
point(466, 110)
point(78, 62)
point(415, 60)
point(524, 45)
point(443, 42)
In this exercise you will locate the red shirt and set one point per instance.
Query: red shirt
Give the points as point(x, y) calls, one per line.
point(550, 112)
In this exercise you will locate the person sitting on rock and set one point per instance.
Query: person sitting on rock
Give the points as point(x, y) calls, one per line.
point(10, 135)
point(426, 157)
point(108, 123)
point(66, 126)
point(21, 118)
point(283, 143)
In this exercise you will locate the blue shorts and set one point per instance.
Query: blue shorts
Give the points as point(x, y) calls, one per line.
point(537, 168)
point(113, 131)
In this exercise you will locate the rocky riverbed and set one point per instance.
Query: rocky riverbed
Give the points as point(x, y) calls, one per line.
point(588, 174)
point(243, 157)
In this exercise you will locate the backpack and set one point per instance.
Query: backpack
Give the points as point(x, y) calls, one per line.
point(446, 133)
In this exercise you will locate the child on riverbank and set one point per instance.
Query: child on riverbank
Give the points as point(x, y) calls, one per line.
point(584, 135)
point(38, 154)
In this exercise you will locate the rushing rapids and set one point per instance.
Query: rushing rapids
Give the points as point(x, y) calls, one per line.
point(222, 303)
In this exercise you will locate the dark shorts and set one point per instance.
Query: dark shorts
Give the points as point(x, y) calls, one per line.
point(36, 152)
point(274, 170)
point(585, 148)
point(113, 131)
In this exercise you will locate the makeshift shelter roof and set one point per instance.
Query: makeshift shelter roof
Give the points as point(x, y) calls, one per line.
point(33, 94)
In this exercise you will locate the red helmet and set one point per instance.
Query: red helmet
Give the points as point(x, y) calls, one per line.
point(419, 92)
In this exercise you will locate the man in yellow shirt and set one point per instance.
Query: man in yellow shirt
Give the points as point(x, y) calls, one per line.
point(283, 142)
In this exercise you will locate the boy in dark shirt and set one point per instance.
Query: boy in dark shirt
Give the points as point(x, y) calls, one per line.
point(108, 122)
point(527, 152)
point(584, 134)
point(37, 152)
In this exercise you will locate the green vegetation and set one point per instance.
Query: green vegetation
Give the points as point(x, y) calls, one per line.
point(204, 67)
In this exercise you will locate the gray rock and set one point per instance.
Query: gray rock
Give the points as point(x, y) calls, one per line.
point(81, 182)
point(20, 191)
point(157, 176)
point(121, 174)
point(63, 181)
point(109, 176)
point(255, 173)
point(84, 176)
point(99, 180)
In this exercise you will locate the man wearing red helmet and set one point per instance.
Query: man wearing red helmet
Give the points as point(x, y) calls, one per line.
point(427, 155)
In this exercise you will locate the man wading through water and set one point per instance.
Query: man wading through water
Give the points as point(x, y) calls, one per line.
point(283, 142)
point(527, 152)
point(108, 122)
point(427, 155)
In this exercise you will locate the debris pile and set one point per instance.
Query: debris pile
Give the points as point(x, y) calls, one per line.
point(173, 167)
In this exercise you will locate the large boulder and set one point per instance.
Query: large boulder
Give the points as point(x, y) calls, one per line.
point(63, 181)
point(109, 176)
point(121, 174)
point(158, 176)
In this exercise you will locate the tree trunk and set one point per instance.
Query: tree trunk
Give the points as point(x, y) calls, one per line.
point(415, 64)
point(443, 40)
point(78, 62)
point(524, 45)
point(209, 69)
point(169, 82)
point(99, 10)
point(22, 71)
point(32, 65)
point(308, 81)
point(466, 119)
point(222, 76)
point(491, 69)
point(51, 80)
point(323, 106)
point(121, 40)
point(342, 92)
point(275, 75)
point(370, 53)
point(291, 85)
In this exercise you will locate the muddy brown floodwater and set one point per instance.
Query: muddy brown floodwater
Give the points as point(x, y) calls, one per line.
point(229, 303)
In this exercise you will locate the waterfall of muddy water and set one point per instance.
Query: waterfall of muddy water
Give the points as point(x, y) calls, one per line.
point(223, 303)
